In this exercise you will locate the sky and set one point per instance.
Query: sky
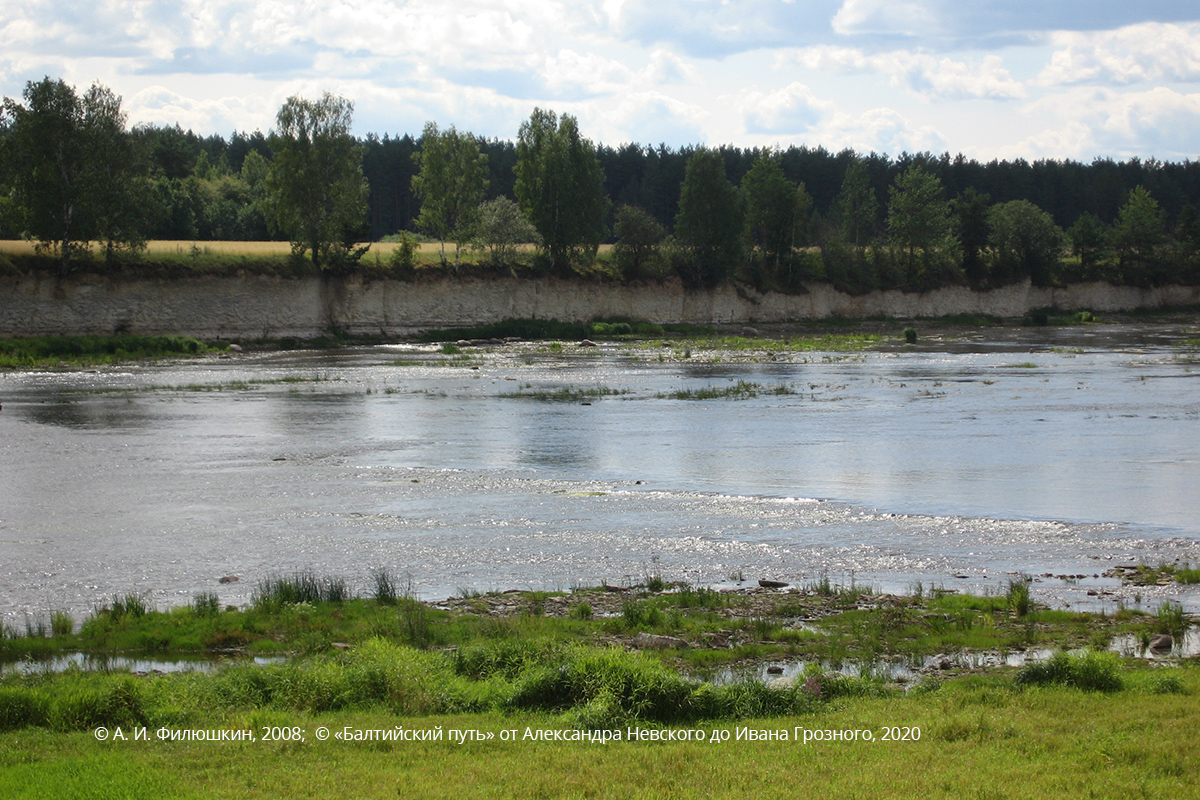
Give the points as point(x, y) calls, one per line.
point(1064, 79)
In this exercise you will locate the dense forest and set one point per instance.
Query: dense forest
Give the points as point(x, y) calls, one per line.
point(197, 178)
point(774, 217)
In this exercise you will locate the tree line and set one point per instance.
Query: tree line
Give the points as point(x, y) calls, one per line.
point(73, 173)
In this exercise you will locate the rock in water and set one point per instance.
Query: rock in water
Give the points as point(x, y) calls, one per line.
point(1162, 643)
point(654, 641)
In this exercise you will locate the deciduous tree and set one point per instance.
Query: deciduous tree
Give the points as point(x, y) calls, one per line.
point(1027, 243)
point(709, 225)
point(451, 181)
point(74, 170)
point(638, 237)
point(502, 226)
point(1138, 232)
point(315, 190)
point(770, 203)
point(560, 186)
point(919, 226)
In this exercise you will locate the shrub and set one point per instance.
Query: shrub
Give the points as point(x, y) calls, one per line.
point(21, 707)
point(82, 705)
point(415, 624)
point(698, 597)
point(275, 592)
point(403, 260)
point(609, 685)
point(385, 587)
point(1170, 619)
point(404, 680)
point(1166, 684)
point(636, 614)
point(61, 623)
point(655, 583)
point(1018, 595)
point(503, 658)
point(206, 604)
point(1091, 671)
point(132, 605)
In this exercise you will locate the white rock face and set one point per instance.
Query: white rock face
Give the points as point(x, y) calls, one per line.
point(271, 307)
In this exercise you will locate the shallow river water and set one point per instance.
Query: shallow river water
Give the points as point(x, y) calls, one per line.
point(958, 463)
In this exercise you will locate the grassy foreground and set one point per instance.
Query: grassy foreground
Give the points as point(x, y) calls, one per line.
point(557, 694)
point(979, 739)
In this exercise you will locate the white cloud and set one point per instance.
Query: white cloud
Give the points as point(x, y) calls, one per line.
point(893, 17)
point(1072, 140)
point(945, 78)
point(1135, 54)
point(161, 106)
point(997, 22)
point(649, 118)
point(881, 130)
point(923, 74)
point(789, 111)
point(714, 28)
point(569, 71)
point(666, 67)
point(1159, 122)
point(875, 74)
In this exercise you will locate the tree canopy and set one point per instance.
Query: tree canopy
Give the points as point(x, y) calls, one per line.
point(502, 226)
point(560, 186)
point(451, 181)
point(315, 190)
point(708, 227)
point(770, 203)
point(918, 223)
point(73, 169)
point(1027, 242)
point(73, 175)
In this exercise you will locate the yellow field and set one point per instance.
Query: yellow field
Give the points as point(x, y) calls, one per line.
point(171, 247)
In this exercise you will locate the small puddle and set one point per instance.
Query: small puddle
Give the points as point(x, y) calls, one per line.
point(894, 671)
point(137, 664)
point(1132, 645)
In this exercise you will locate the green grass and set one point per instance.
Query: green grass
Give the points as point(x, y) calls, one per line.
point(978, 738)
point(1089, 722)
point(742, 390)
point(1090, 671)
point(1148, 575)
point(305, 613)
point(51, 351)
point(832, 342)
point(566, 393)
point(1187, 575)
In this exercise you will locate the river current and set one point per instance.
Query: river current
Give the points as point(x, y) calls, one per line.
point(962, 462)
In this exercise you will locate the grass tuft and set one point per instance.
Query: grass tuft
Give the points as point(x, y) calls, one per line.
point(276, 592)
point(1090, 671)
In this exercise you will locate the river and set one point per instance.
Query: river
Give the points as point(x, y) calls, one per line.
point(962, 462)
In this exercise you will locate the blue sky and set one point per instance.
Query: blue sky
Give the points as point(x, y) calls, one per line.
point(987, 78)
